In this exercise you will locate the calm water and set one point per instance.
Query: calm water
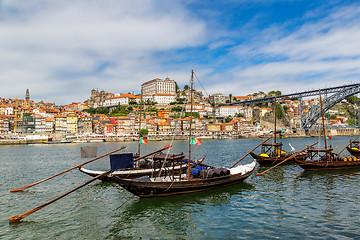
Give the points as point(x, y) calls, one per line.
point(286, 203)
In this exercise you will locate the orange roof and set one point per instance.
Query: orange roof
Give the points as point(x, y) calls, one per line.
point(231, 107)
point(164, 94)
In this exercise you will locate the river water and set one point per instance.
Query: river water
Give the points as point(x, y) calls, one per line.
point(286, 203)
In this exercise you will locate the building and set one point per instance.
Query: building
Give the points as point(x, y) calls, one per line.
point(97, 98)
point(158, 85)
point(226, 111)
point(217, 98)
point(123, 99)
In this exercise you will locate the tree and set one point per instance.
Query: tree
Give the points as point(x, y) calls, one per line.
point(352, 99)
point(230, 96)
point(228, 119)
point(276, 93)
point(143, 132)
point(194, 114)
point(186, 87)
point(176, 109)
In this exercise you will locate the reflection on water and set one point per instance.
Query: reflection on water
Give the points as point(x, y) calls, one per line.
point(175, 212)
point(285, 203)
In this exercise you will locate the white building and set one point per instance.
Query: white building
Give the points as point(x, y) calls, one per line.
point(123, 99)
point(225, 111)
point(158, 85)
point(163, 98)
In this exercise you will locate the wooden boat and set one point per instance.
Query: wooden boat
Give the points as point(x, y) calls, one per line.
point(353, 148)
point(272, 153)
point(171, 185)
point(147, 167)
point(325, 158)
point(321, 159)
point(198, 178)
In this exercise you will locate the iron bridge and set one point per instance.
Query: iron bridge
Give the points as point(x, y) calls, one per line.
point(308, 119)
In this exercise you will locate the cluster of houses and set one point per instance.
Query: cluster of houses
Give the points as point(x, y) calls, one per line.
point(24, 116)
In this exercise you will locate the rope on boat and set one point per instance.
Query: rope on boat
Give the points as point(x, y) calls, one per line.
point(167, 153)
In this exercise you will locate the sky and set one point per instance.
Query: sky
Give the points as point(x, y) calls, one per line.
point(60, 50)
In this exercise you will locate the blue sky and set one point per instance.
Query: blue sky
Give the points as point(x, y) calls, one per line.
point(60, 50)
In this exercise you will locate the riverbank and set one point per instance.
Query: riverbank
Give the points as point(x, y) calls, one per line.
point(222, 135)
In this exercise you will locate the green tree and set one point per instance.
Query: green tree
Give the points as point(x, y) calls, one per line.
point(194, 114)
point(186, 87)
point(143, 132)
point(228, 119)
point(353, 99)
point(276, 93)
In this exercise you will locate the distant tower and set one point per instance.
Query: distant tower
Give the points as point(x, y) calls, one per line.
point(27, 97)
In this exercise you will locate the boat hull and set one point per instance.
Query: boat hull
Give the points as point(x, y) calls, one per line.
point(323, 165)
point(263, 161)
point(146, 189)
point(353, 152)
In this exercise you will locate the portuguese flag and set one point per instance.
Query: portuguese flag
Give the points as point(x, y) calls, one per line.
point(143, 141)
point(328, 137)
point(195, 141)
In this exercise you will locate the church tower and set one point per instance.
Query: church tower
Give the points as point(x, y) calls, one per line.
point(27, 97)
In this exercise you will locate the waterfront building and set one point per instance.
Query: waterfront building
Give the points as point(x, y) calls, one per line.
point(40, 124)
point(213, 127)
point(124, 125)
point(85, 125)
point(71, 123)
point(28, 125)
point(49, 125)
point(60, 124)
point(4, 125)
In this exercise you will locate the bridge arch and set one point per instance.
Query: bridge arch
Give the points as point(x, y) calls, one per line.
point(309, 118)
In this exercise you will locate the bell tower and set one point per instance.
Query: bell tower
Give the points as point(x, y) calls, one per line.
point(27, 96)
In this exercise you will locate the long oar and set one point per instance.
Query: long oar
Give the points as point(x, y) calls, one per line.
point(167, 147)
point(249, 152)
point(33, 184)
point(286, 159)
point(347, 145)
point(17, 218)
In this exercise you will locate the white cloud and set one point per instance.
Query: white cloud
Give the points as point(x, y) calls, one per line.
point(318, 54)
point(49, 46)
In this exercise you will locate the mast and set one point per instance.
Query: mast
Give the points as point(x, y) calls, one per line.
point(275, 120)
point(139, 123)
point(191, 110)
point(322, 117)
point(16, 115)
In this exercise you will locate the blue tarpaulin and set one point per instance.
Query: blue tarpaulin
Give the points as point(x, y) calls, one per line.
point(197, 170)
point(121, 161)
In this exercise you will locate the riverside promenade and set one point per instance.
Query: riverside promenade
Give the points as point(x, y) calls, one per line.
point(201, 135)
